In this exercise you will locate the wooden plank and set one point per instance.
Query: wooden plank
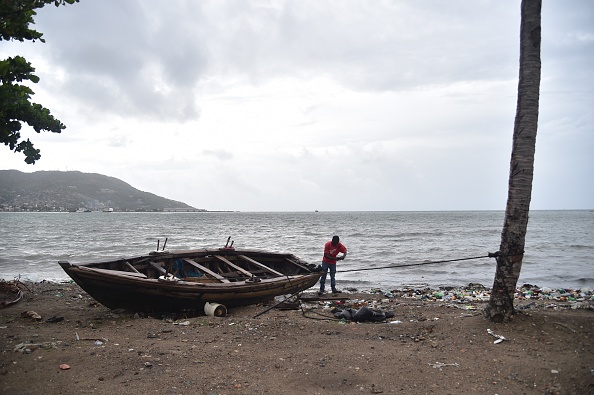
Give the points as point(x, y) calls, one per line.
point(206, 270)
point(108, 271)
point(297, 264)
point(260, 265)
point(160, 268)
point(132, 268)
point(234, 266)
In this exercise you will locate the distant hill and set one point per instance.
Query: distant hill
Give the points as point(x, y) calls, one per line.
point(72, 190)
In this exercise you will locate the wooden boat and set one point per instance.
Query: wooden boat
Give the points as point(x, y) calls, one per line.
point(179, 281)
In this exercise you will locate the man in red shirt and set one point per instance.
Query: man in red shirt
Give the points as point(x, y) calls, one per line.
point(331, 250)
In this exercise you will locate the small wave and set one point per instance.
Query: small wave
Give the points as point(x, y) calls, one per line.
point(374, 240)
point(581, 246)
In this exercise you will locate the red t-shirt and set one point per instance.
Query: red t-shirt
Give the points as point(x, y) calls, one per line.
point(332, 250)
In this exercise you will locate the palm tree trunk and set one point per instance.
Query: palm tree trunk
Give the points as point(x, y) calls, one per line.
point(511, 251)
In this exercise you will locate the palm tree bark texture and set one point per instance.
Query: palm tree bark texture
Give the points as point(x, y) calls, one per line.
point(511, 251)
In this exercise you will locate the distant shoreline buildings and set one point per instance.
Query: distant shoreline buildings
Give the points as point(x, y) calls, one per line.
point(184, 210)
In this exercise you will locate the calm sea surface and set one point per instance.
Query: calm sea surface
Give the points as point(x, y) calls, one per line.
point(559, 244)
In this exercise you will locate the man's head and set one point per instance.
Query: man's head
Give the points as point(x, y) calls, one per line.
point(335, 240)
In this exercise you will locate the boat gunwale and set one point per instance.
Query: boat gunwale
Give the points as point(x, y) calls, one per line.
point(183, 253)
point(96, 274)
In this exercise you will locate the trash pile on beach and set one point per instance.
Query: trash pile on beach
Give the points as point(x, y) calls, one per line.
point(479, 293)
point(467, 298)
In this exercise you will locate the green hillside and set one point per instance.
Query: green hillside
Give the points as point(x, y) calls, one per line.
point(72, 190)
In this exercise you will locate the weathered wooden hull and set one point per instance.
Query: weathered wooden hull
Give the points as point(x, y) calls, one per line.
point(138, 289)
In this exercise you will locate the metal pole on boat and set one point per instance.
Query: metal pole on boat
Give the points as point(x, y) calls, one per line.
point(227, 243)
point(158, 244)
point(164, 244)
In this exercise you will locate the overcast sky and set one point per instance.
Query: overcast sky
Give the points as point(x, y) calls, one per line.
point(313, 105)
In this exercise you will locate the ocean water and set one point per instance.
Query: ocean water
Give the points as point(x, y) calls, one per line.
point(559, 244)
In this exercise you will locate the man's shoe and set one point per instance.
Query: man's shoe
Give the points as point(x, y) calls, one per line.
point(336, 291)
point(320, 293)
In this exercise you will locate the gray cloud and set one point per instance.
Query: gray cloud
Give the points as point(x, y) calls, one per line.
point(147, 58)
point(412, 103)
point(219, 154)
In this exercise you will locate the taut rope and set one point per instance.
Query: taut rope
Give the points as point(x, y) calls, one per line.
point(490, 255)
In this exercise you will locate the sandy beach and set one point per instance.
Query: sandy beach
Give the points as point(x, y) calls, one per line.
point(431, 345)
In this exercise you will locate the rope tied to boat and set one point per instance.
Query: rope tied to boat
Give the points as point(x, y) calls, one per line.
point(489, 255)
point(325, 317)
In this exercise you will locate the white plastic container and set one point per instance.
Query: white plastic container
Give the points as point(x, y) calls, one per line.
point(215, 309)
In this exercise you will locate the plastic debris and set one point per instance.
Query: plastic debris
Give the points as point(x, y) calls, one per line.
point(64, 366)
point(168, 277)
point(363, 314)
point(499, 337)
point(31, 314)
point(479, 293)
point(439, 365)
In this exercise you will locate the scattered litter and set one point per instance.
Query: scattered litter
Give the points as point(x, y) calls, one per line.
point(168, 277)
point(215, 309)
point(499, 337)
point(11, 287)
point(554, 371)
point(31, 314)
point(467, 307)
point(28, 348)
point(395, 322)
point(286, 302)
point(55, 319)
point(182, 323)
point(474, 292)
point(527, 306)
point(363, 314)
point(439, 365)
point(64, 366)
point(94, 339)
